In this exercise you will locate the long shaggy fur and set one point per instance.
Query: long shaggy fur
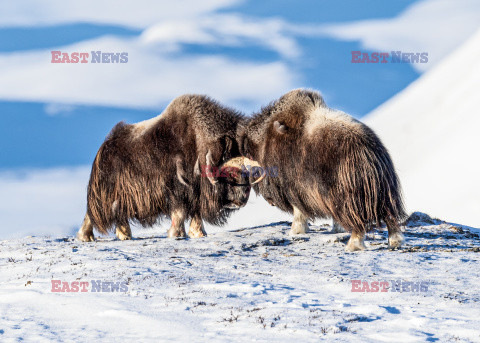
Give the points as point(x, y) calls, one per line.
point(330, 165)
point(146, 170)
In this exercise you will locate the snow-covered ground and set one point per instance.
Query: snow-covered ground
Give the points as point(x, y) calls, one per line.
point(255, 283)
point(431, 130)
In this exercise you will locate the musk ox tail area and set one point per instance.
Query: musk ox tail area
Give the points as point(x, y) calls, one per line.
point(105, 184)
point(98, 196)
point(116, 190)
point(367, 190)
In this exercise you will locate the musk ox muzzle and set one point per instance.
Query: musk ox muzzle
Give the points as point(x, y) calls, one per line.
point(239, 184)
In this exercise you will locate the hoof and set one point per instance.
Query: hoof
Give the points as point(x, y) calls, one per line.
point(293, 232)
point(86, 237)
point(176, 233)
point(123, 233)
point(355, 244)
point(396, 240)
point(123, 237)
point(197, 234)
point(298, 230)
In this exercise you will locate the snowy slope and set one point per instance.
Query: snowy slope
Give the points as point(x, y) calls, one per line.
point(432, 131)
point(251, 284)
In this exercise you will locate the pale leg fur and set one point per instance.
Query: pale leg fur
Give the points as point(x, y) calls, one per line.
point(337, 228)
point(178, 225)
point(196, 229)
point(356, 242)
point(124, 232)
point(299, 225)
point(85, 234)
point(395, 238)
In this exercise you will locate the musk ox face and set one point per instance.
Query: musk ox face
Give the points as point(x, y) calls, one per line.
point(236, 190)
point(233, 183)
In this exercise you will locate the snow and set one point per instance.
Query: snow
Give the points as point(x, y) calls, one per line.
point(431, 131)
point(247, 284)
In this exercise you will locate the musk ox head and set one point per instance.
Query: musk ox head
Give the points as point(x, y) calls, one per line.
point(283, 118)
point(231, 183)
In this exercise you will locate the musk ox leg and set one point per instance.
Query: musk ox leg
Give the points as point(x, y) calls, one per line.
point(356, 242)
point(178, 225)
point(123, 232)
point(196, 229)
point(85, 234)
point(337, 228)
point(299, 225)
point(395, 236)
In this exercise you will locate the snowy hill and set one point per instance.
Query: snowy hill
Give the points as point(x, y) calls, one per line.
point(432, 131)
point(249, 284)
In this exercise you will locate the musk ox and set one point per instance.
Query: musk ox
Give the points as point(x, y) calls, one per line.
point(152, 169)
point(329, 165)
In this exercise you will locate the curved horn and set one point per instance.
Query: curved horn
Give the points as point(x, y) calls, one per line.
point(210, 175)
point(180, 171)
point(237, 162)
point(233, 163)
point(196, 169)
point(242, 162)
point(253, 163)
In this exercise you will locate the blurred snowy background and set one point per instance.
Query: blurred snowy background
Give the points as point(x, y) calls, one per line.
point(245, 54)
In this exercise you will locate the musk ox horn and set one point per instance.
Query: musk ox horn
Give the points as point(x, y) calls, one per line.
point(240, 162)
point(236, 162)
point(181, 171)
point(211, 177)
point(196, 169)
point(256, 164)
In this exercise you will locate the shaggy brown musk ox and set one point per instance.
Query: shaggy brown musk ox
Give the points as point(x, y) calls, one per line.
point(151, 169)
point(329, 165)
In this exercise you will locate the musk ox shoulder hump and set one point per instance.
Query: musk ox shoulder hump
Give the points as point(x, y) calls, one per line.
point(139, 129)
point(305, 98)
point(212, 118)
point(325, 117)
point(317, 114)
point(178, 105)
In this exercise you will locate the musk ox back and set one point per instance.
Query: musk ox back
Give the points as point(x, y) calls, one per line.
point(329, 165)
point(153, 168)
